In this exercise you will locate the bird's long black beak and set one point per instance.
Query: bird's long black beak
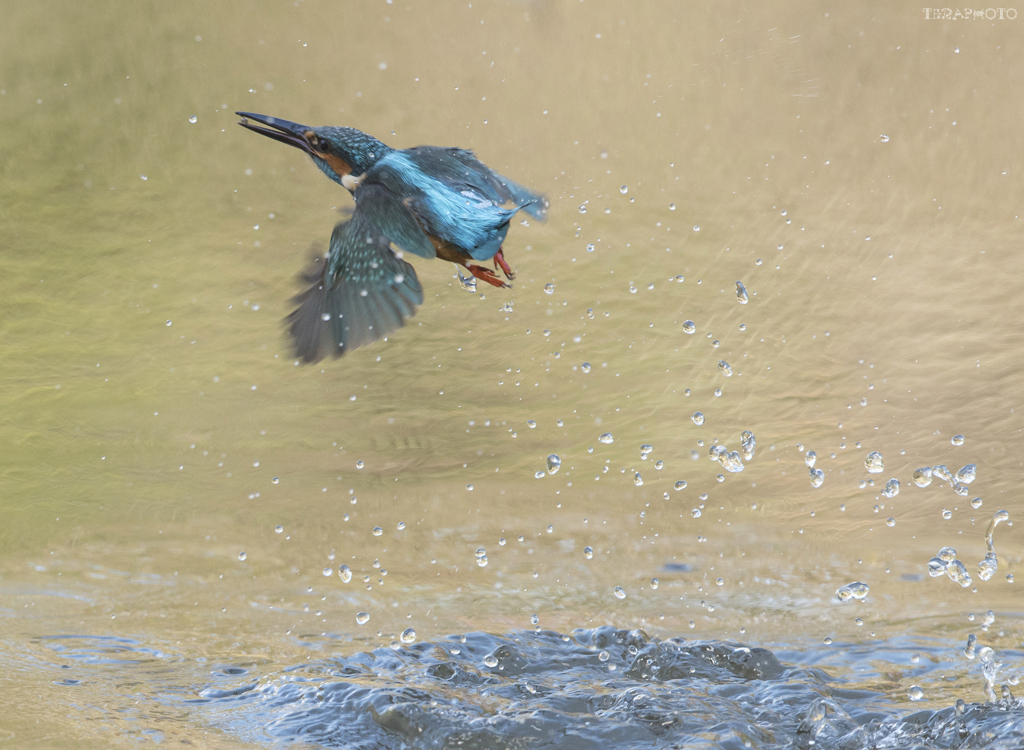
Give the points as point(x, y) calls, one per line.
point(284, 131)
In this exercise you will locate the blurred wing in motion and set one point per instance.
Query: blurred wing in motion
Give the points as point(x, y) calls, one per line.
point(361, 291)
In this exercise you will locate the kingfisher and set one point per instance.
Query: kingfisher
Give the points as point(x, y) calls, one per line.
point(428, 201)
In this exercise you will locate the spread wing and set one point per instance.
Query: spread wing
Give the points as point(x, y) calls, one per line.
point(361, 291)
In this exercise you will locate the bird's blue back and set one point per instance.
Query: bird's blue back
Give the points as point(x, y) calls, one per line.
point(456, 199)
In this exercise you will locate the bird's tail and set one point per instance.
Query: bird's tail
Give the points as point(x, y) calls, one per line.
point(336, 315)
point(525, 199)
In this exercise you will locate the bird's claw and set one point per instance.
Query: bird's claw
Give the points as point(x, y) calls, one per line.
point(499, 261)
point(487, 275)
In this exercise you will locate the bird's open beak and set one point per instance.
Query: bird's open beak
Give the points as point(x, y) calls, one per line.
point(284, 131)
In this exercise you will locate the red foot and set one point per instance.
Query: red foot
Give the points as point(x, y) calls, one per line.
point(487, 275)
point(499, 261)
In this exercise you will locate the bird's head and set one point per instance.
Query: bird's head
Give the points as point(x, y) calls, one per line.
point(337, 151)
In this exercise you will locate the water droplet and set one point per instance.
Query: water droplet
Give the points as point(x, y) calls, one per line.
point(169, 323)
point(554, 462)
point(638, 480)
point(915, 693)
point(659, 465)
point(327, 572)
point(698, 418)
point(590, 248)
point(923, 476)
point(890, 522)
point(401, 525)
point(957, 571)
point(967, 474)
point(362, 617)
point(193, 119)
point(741, 293)
point(817, 477)
point(588, 552)
point(988, 567)
point(530, 423)
point(482, 561)
point(279, 529)
point(947, 514)
point(408, 635)
point(619, 592)
point(606, 438)
point(695, 512)
point(941, 471)
point(539, 474)
point(377, 531)
point(490, 660)
point(947, 554)
point(585, 367)
point(696, 227)
point(242, 556)
point(725, 368)
point(549, 289)
point(469, 487)
point(359, 464)
point(623, 189)
point(936, 567)
point(883, 138)
point(855, 590)
point(603, 656)
point(810, 458)
point(143, 177)
point(345, 573)
point(892, 488)
point(748, 443)
point(689, 326)
point(873, 463)
point(583, 209)
point(976, 503)
point(957, 440)
point(679, 485)
point(275, 480)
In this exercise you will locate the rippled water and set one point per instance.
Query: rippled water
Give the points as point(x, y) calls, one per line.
point(756, 383)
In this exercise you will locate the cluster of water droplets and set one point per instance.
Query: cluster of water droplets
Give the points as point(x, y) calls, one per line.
point(958, 481)
point(731, 461)
point(817, 475)
point(856, 590)
point(990, 664)
point(946, 560)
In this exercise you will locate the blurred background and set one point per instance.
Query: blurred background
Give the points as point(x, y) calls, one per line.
point(174, 480)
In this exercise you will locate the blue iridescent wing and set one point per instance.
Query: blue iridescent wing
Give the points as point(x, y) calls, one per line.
point(461, 168)
point(361, 291)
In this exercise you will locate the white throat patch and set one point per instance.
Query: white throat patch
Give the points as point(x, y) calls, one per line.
point(350, 183)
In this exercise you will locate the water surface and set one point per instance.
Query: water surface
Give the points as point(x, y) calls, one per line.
point(176, 488)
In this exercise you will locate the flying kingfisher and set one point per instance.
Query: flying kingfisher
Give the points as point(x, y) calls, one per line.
point(428, 201)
